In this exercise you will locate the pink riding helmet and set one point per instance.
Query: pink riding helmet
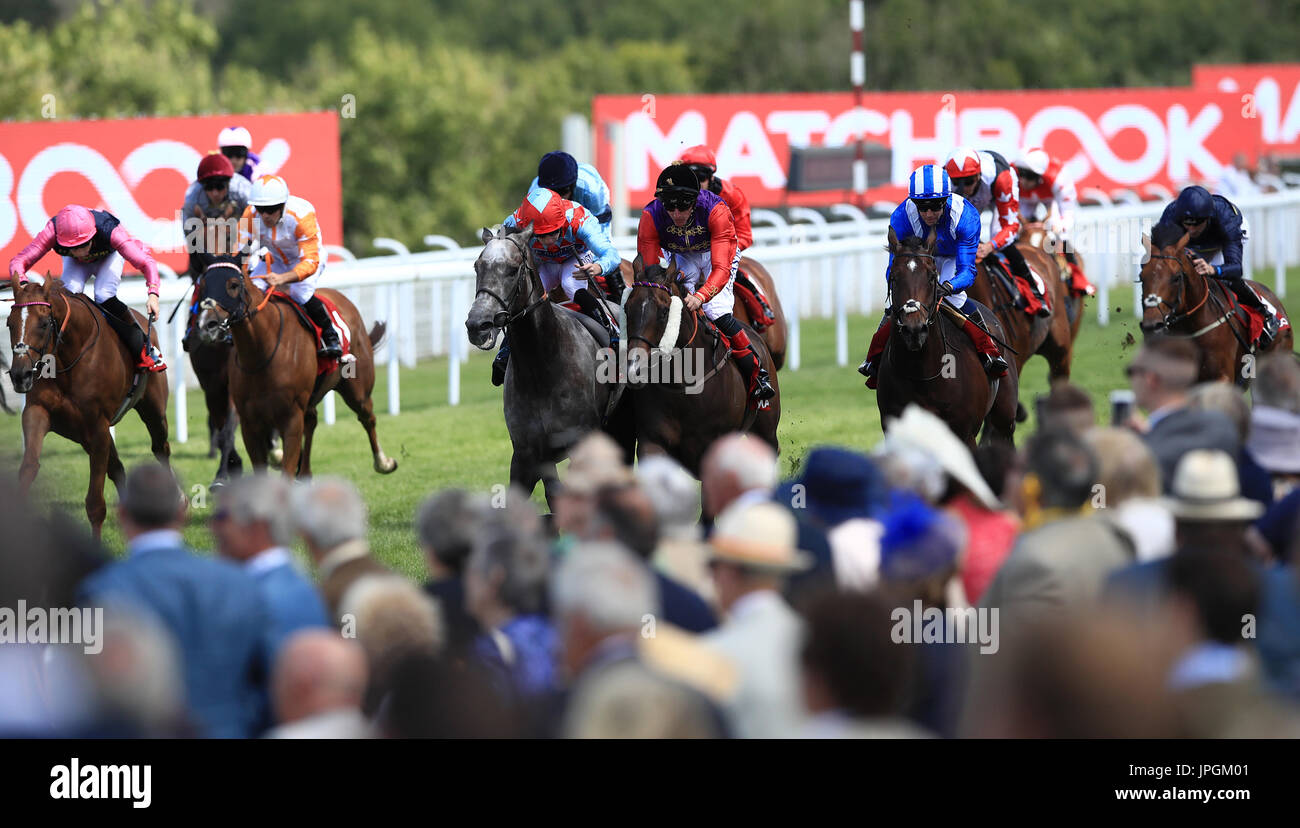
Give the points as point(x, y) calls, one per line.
point(74, 226)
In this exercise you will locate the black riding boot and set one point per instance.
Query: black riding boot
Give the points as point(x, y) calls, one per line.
point(330, 347)
point(121, 320)
point(1020, 268)
point(1246, 294)
point(614, 281)
point(499, 363)
point(592, 308)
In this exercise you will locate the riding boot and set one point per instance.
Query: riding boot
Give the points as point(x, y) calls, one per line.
point(760, 383)
point(1248, 296)
point(331, 347)
point(1078, 282)
point(871, 365)
point(591, 307)
point(499, 362)
point(1020, 268)
point(990, 355)
point(123, 322)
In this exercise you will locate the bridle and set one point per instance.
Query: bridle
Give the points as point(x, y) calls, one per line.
point(503, 318)
point(695, 318)
point(54, 338)
point(1155, 300)
point(911, 305)
point(243, 313)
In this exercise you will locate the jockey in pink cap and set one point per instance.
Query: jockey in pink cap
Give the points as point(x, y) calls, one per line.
point(94, 244)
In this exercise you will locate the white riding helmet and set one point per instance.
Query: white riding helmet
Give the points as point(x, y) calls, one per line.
point(1034, 159)
point(235, 136)
point(268, 191)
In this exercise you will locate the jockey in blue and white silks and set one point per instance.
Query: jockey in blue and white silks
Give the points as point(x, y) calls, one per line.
point(931, 205)
point(576, 182)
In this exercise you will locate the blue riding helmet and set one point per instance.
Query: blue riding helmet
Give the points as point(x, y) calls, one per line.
point(929, 182)
point(557, 170)
point(1193, 202)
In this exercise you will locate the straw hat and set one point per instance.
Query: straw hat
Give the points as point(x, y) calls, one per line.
point(760, 536)
point(1205, 489)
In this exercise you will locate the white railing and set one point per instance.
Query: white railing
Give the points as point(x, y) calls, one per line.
point(822, 269)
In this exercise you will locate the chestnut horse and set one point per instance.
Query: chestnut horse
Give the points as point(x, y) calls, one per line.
point(1180, 302)
point(676, 410)
point(77, 374)
point(273, 379)
point(930, 361)
point(775, 334)
point(1050, 336)
point(1038, 236)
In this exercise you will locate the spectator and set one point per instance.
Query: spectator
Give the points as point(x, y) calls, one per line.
point(1130, 481)
point(317, 688)
point(432, 699)
point(216, 613)
point(1238, 179)
point(445, 527)
point(594, 462)
point(1064, 554)
point(138, 679)
point(331, 517)
point(1067, 406)
point(392, 619)
point(1162, 374)
point(675, 496)
point(1279, 628)
point(1275, 420)
point(855, 678)
point(253, 527)
point(753, 553)
point(1227, 399)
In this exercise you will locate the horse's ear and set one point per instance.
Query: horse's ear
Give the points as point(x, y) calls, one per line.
point(487, 235)
point(931, 239)
point(525, 233)
point(638, 266)
point(1178, 249)
point(671, 274)
point(893, 240)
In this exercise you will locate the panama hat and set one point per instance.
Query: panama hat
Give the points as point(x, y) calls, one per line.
point(760, 536)
point(1205, 489)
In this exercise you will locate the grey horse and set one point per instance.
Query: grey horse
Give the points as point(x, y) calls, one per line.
point(554, 392)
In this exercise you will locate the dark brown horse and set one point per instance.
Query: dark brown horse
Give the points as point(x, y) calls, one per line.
point(1050, 336)
point(77, 375)
point(686, 392)
point(273, 379)
point(929, 360)
point(1178, 301)
point(1039, 237)
point(210, 356)
point(775, 334)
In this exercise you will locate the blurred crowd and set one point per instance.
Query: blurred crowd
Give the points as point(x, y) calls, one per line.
point(1135, 579)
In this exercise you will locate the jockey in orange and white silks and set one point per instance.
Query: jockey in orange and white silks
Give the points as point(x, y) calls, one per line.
point(986, 180)
point(1043, 181)
point(285, 227)
point(696, 229)
point(95, 245)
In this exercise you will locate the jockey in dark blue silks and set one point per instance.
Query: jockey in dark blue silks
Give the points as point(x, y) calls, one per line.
point(931, 204)
point(1218, 236)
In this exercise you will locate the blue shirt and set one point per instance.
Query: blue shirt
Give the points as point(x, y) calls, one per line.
point(957, 235)
point(591, 192)
point(294, 604)
point(574, 241)
point(529, 669)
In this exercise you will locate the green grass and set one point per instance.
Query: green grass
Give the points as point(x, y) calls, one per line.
point(438, 445)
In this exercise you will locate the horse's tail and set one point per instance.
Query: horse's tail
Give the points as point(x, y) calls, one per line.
point(377, 334)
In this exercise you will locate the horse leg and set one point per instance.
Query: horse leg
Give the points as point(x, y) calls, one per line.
point(116, 472)
point(524, 472)
point(292, 433)
point(1058, 350)
point(359, 401)
point(230, 463)
point(36, 424)
point(152, 409)
point(99, 447)
point(308, 430)
point(550, 484)
point(257, 442)
point(1000, 423)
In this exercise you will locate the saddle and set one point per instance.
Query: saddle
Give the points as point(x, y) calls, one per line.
point(1021, 286)
point(593, 327)
point(1251, 318)
point(138, 376)
point(323, 366)
point(755, 302)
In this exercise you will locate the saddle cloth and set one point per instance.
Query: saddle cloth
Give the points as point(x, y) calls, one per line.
point(755, 301)
point(1032, 302)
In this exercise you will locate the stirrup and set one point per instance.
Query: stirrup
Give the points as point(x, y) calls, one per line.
point(994, 365)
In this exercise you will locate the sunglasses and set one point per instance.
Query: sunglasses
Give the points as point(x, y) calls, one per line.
point(929, 205)
point(234, 153)
point(964, 183)
point(679, 205)
point(1192, 222)
point(266, 211)
point(216, 184)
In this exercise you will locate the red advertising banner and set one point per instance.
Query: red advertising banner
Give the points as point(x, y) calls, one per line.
point(138, 170)
point(1109, 139)
point(1268, 93)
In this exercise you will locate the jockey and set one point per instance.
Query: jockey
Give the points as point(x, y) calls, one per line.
point(286, 227)
point(985, 179)
point(94, 244)
point(1218, 236)
point(215, 193)
point(570, 249)
point(696, 227)
point(237, 145)
point(579, 183)
point(705, 165)
point(1042, 181)
point(930, 203)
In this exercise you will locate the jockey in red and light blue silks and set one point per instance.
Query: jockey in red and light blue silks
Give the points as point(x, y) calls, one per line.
point(1043, 181)
point(985, 179)
point(570, 248)
point(696, 228)
point(931, 204)
point(94, 244)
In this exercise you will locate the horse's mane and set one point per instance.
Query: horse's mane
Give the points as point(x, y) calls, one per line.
point(1166, 234)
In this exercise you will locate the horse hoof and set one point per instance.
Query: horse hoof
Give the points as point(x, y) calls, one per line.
point(277, 456)
point(385, 465)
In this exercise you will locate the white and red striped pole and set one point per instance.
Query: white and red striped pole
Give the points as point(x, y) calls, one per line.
point(858, 76)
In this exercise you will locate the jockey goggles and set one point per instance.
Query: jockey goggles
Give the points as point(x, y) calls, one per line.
point(929, 205)
point(211, 184)
point(679, 202)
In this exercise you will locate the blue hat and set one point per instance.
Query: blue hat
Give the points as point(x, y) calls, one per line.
point(557, 170)
point(929, 181)
point(836, 485)
point(919, 540)
point(1193, 202)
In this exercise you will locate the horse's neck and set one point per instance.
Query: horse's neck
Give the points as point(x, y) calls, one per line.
point(535, 331)
point(256, 334)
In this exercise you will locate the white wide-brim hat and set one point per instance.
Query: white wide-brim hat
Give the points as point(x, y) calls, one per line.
point(1205, 488)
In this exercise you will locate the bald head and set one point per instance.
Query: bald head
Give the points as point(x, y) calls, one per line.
point(733, 465)
point(316, 672)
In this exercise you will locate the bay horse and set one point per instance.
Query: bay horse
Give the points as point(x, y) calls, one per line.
point(273, 369)
point(77, 375)
point(930, 361)
point(209, 350)
point(555, 389)
point(1051, 337)
point(1179, 302)
point(773, 335)
point(674, 412)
